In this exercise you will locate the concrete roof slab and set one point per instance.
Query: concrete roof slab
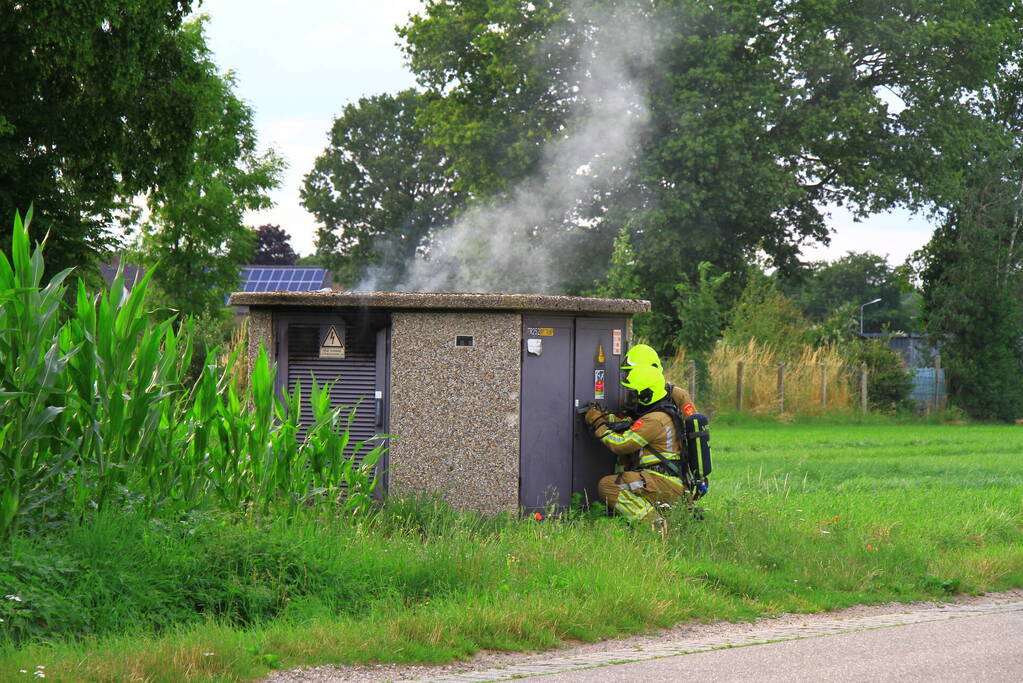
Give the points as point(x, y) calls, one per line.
point(441, 300)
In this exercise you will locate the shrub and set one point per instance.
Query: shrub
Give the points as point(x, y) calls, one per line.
point(888, 383)
point(763, 314)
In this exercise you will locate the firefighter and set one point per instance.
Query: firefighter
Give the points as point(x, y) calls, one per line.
point(642, 354)
point(642, 481)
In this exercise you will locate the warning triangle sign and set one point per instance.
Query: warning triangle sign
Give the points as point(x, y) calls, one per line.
point(332, 346)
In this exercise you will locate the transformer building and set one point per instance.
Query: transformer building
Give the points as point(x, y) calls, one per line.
point(478, 391)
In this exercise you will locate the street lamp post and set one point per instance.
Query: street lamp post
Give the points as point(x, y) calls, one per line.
point(862, 306)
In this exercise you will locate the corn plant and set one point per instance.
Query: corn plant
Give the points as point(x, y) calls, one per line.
point(94, 412)
point(34, 451)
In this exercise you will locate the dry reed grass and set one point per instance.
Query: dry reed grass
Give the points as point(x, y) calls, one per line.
point(817, 380)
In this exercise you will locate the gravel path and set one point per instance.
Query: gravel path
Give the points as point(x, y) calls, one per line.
point(380, 673)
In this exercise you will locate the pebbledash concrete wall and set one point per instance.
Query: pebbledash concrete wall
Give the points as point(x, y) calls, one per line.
point(456, 408)
point(261, 331)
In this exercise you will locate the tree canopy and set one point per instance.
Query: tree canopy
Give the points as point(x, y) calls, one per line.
point(853, 280)
point(195, 230)
point(94, 109)
point(972, 271)
point(378, 189)
point(273, 247)
point(757, 113)
point(112, 103)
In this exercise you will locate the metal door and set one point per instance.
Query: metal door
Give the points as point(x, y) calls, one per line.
point(599, 344)
point(547, 414)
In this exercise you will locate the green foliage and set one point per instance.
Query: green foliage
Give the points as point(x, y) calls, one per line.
point(504, 75)
point(195, 230)
point(973, 283)
point(104, 102)
point(793, 511)
point(622, 281)
point(888, 382)
point(852, 280)
point(841, 326)
point(97, 414)
point(379, 189)
point(758, 114)
point(701, 313)
point(765, 314)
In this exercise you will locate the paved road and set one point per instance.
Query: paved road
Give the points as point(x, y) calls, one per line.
point(979, 648)
point(977, 642)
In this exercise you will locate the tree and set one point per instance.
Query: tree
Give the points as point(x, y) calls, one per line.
point(97, 107)
point(974, 314)
point(621, 281)
point(853, 280)
point(888, 383)
point(195, 230)
point(273, 247)
point(764, 314)
point(756, 113)
point(699, 310)
point(972, 269)
point(378, 189)
point(972, 287)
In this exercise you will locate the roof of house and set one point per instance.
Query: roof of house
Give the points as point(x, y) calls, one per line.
point(132, 274)
point(284, 278)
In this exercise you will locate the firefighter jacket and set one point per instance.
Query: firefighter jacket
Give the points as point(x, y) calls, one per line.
point(655, 429)
point(680, 397)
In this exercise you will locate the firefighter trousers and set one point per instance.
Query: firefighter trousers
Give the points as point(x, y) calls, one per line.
point(635, 495)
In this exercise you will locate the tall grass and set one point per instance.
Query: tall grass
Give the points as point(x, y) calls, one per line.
point(95, 412)
point(802, 518)
point(817, 380)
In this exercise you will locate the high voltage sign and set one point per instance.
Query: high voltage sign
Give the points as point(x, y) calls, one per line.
point(332, 346)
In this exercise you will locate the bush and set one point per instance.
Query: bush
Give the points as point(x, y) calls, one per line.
point(888, 382)
point(767, 317)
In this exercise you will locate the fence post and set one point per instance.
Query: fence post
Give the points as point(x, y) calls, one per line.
point(863, 387)
point(692, 381)
point(738, 385)
point(781, 387)
point(937, 382)
point(824, 385)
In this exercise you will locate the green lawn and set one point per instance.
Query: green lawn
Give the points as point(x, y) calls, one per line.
point(800, 517)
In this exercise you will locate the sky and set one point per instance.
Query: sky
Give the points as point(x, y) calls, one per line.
point(297, 63)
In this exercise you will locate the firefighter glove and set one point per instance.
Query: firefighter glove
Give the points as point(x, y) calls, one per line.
point(595, 417)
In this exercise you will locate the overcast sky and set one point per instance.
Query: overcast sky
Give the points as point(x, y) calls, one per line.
point(299, 62)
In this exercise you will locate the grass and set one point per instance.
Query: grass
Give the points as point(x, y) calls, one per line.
point(802, 517)
point(807, 370)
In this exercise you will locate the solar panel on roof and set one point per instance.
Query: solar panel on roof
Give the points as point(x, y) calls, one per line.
point(281, 278)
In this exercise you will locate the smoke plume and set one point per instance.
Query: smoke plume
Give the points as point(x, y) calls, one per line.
point(519, 243)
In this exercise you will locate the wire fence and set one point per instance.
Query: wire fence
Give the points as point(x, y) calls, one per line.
point(719, 386)
point(930, 390)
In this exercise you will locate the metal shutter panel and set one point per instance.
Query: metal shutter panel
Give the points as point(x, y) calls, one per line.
point(354, 376)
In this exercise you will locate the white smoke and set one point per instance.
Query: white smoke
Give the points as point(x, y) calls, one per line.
point(518, 244)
